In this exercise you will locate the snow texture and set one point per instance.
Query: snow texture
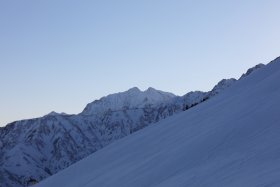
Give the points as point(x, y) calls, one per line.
point(230, 140)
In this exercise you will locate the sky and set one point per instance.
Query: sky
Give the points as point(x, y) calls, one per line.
point(59, 55)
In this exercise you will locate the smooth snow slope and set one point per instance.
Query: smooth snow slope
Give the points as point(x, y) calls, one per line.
point(231, 140)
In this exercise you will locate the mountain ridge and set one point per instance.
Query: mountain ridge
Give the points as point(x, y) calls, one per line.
point(230, 140)
point(132, 98)
point(36, 148)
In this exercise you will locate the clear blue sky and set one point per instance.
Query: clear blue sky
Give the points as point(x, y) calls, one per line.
point(62, 54)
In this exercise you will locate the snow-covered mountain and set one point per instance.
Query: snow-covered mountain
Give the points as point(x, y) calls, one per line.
point(34, 149)
point(131, 99)
point(251, 70)
point(230, 140)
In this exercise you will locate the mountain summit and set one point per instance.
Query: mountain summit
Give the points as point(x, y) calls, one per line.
point(130, 99)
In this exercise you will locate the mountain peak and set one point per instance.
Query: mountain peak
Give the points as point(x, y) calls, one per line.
point(251, 70)
point(53, 113)
point(150, 89)
point(132, 98)
point(134, 89)
point(222, 85)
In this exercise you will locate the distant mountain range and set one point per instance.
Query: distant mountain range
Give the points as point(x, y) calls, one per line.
point(34, 149)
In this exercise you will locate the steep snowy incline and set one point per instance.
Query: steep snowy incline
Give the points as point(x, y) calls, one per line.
point(230, 140)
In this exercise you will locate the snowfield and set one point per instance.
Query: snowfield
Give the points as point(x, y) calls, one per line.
point(231, 140)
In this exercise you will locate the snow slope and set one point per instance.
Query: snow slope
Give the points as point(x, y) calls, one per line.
point(230, 140)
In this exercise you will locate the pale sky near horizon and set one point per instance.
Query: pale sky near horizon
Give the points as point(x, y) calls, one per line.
point(61, 55)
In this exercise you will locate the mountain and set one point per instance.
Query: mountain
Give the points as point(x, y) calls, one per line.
point(34, 149)
point(131, 99)
point(230, 140)
point(251, 70)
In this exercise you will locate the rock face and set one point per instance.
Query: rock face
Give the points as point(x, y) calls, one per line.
point(34, 149)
